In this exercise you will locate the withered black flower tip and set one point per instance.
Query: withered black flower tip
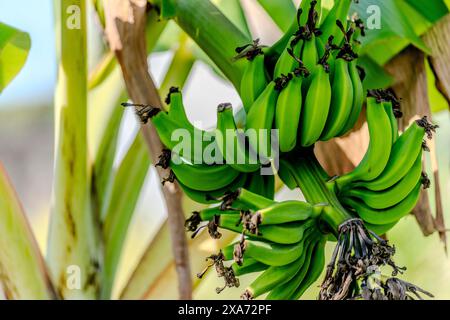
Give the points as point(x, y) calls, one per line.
point(213, 227)
point(282, 81)
point(164, 159)
point(426, 183)
point(425, 146)
point(171, 178)
point(191, 223)
point(171, 90)
point(428, 126)
point(249, 51)
point(247, 295)
point(224, 106)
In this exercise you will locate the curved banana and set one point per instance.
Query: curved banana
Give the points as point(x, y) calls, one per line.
point(310, 56)
point(273, 254)
point(246, 199)
point(275, 276)
point(286, 233)
point(287, 118)
point(211, 197)
point(405, 152)
point(287, 211)
point(377, 154)
point(260, 120)
point(254, 81)
point(394, 124)
point(200, 176)
point(388, 215)
point(231, 146)
point(390, 197)
point(287, 61)
point(341, 100)
point(286, 290)
point(314, 271)
point(248, 266)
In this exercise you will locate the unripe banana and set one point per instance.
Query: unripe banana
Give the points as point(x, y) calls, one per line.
point(385, 216)
point(390, 197)
point(254, 81)
point(273, 254)
point(358, 98)
point(287, 211)
point(260, 119)
point(260, 184)
point(287, 118)
point(310, 56)
point(285, 233)
point(275, 276)
point(246, 199)
point(288, 59)
point(341, 100)
point(377, 154)
point(286, 290)
point(202, 177)
point(315, 269)
point(394, 124)
point(404, 153)
point(315, 107)
point(380, 229)
point(248, 266)
point(230, 145)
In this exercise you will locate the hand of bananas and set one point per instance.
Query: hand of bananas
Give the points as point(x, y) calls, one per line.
point(312, 91)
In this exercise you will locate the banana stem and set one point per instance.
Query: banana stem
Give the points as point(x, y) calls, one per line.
point(318, 189)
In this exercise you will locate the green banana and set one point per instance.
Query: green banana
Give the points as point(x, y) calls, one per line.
point(380, 229)
point(287, 118)
point(310, 56)
point(230, 145)
point(358, 89)
point(248, 266)
point(388, 215)
point(200, 176)
point(285, 233)
point(260, 120)
point(358, 98)
point(286, 290)
point(287, 211)
point(387, 198)
point(284, 172)
point(254, 81)
point(328, 26)
point(315, 107)
point(341, 100)
point(211, 197)
point(377, 154)
point(404, 153)
point(394, 124)
point(275, 276)
point(273, 254)
point(246, 199)
point(287, 61)
point(315, 269)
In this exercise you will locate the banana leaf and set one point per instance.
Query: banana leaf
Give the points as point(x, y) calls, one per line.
point(14, 47)
point(23, 274)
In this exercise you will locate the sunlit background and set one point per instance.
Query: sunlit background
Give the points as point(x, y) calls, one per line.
point(26, 146)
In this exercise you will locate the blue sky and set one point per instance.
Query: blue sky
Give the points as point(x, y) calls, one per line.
point(34, 84)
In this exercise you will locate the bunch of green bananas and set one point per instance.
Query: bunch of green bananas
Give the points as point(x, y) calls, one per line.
point(315, 92)
point(282, 240)
point(386, 185)
point(207, 164)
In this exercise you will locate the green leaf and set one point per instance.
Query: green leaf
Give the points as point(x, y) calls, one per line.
point(282, 12)
point(393, 23)
point(376, 77)
point(22, 268)
point(14, 47)
point(232, 9)
point(167, 9)
point(126, 189)
point(431, 10)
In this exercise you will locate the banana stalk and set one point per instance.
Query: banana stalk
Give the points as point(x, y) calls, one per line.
point(23, 274)
point(73, 243)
